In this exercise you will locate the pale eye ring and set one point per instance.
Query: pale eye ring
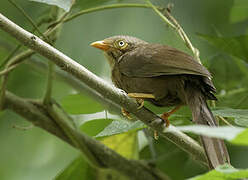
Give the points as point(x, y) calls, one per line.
point(121, 43)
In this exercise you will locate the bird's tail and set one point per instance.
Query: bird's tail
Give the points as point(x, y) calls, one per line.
point(215, 149)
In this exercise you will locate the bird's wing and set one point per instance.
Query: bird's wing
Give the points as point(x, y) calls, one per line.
point(150, 60)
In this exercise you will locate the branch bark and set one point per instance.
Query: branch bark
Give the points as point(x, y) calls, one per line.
point(106, 90)
point(37, 114)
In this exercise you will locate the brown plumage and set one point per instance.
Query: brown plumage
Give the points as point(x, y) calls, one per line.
point(172, 76)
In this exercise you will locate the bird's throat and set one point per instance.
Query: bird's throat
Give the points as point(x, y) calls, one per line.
point(111, 59)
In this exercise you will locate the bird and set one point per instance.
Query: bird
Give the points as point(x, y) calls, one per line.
point(166, 77)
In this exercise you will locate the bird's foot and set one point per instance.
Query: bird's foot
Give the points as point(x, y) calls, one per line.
point(155, 135)
point(165, 116)
point(140, 98)
point(126, 113)
point(140, 102)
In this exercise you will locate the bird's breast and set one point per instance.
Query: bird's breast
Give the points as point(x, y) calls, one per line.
point(116, 77)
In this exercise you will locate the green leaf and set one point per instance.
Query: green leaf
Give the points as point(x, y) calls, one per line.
point(223, 132)
point(77, 169)
point(64, 4)
point(239, 11)
point(83, 118)
point(121, 126)
point(90, 3)
point(80, 104)
point(236, 46)
point(125, 144)
point(223, 79)
point(236, 98)
point(224, 172)
point(242, 66)
point(240, 115)
point(241, 139)
point(94, 127)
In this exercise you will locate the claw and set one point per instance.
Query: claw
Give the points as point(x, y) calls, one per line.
point(140, 102)
point(125, 113)
point(155, 135)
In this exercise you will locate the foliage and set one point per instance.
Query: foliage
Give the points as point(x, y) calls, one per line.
point(223, 172)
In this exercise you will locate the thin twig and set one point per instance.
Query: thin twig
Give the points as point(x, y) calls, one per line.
point(23, 128)
point(2, 91)
point(60, 75)
point(29, 19)
point(64, 19)
point(21, 57)
point(183, 35)
point(53, 36)
point(100, 8)
point(16, 61)
point(56, 25)
point(225, 121)
point(171, 21)
point(48, 93)
point(12, 63)
point(8, 69)
point(6, 60)
point(160, 14)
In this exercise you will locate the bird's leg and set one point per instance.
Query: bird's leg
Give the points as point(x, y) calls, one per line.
point(140, 100)
point(166, 115)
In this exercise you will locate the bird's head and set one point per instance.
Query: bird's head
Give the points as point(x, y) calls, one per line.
point(114, 47)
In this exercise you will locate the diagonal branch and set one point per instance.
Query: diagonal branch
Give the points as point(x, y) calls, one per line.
point(106, 90)
point(36, 113)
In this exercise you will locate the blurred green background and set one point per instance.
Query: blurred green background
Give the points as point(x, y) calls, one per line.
point(35, 154)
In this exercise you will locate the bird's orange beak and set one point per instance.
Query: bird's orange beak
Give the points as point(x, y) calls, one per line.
point(101, 45)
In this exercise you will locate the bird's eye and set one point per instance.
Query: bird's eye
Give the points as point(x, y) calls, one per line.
point(121, 43)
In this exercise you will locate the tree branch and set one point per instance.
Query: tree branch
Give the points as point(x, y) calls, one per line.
point(171, 21)
point(106, 90)
point(100, 8)
point(36, 113)
point(177, 137)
